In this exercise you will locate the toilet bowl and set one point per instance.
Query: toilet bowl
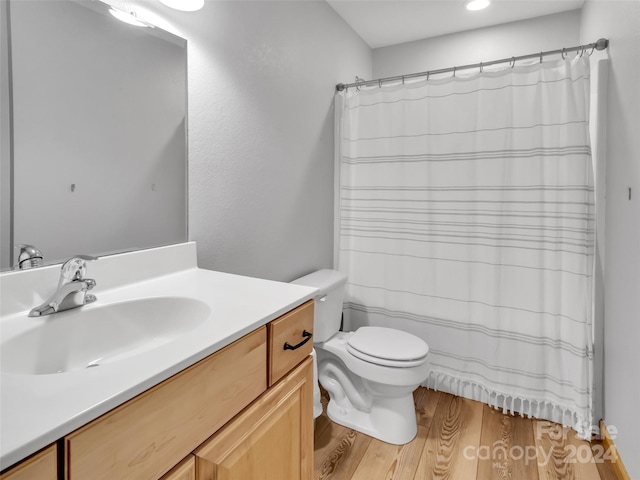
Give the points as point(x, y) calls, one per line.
point(370, 374)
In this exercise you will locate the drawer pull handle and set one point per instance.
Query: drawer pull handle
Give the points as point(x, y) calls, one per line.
point(307, 336)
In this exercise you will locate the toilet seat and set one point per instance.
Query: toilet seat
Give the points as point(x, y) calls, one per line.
point(372, 369)
point(387, 347)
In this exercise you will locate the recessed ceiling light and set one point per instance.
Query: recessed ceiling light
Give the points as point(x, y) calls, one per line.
point(127, 17)
point(477, 4)
point(184, 5)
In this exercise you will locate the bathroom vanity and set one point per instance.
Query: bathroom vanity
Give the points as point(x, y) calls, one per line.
point(225, 399)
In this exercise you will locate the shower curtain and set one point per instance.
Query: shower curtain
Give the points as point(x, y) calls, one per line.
point(465, 215)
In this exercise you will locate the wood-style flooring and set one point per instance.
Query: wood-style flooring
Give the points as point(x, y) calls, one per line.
point(460, 439)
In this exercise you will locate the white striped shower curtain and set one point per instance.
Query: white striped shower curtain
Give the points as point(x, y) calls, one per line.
point(465, 215)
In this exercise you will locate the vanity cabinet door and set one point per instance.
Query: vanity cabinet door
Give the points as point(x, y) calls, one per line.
point(42, 466)
point(272, 439)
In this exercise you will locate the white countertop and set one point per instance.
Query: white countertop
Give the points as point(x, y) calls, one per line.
point(37, 410)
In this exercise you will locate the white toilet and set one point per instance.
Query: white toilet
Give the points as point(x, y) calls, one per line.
point(371, 373)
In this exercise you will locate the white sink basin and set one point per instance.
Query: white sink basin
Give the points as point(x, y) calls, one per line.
point(99, 334)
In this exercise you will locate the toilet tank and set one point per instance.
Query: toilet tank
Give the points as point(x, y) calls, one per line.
point(328, 301)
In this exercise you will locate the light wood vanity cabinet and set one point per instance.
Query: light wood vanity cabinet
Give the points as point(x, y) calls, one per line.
point(41, 466)
point(195, 426)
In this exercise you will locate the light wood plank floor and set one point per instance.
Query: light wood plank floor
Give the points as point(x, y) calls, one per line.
point(460, 439)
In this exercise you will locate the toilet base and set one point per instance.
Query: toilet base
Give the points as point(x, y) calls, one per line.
point(392, 420)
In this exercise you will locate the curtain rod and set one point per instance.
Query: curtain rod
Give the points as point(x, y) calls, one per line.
point(600, 44)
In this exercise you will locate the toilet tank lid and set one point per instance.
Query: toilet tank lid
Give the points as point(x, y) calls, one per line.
point(324, 280)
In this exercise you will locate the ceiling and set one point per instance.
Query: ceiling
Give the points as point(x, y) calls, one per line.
point(388, 22)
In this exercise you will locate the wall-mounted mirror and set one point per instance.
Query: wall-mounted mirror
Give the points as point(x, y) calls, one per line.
point(97, 129)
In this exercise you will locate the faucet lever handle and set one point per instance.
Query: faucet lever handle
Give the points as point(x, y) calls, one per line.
point(75, 268)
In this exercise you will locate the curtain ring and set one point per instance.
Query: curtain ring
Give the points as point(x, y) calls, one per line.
point(540, 57)
point(513, 62)
point(380, 83)
point(403, 79)
point(563, 53)
point(358, 81)
point(480, 67)
point(593, 48)
point(428, 74)
point(454, 71)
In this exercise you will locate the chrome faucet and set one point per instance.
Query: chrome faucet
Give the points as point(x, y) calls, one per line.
point(72, 288)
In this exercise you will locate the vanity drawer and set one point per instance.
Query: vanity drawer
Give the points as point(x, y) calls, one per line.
point(145, 437)
point(41, 466)
point(290, 340)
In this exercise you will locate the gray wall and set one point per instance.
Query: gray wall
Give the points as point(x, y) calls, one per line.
point(501, 41)
point(620, 22)
point(261, 159)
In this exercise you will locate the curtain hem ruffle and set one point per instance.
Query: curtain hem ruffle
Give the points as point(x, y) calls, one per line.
point(512, 402)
